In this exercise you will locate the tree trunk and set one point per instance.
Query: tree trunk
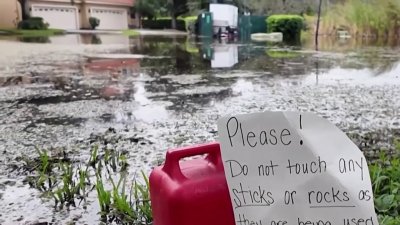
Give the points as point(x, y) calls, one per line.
point(24, 8)
point(173, 22)
point(138, 20)
point(318, 21)
point(172, 13)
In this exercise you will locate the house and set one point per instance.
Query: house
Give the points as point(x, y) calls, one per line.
point(10, 13)
point(75, 14)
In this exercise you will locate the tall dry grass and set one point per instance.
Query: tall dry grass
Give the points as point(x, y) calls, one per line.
point(372, 18)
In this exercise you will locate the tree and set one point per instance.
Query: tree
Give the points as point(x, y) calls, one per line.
point(318, 21)
point(153, 8)
point(197, 6)
point(274, 6)
point(177, 8)
point(149, 8)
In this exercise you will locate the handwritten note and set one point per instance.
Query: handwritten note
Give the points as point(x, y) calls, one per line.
point(287, 168)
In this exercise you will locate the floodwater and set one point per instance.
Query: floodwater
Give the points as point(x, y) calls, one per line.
point(147, 94)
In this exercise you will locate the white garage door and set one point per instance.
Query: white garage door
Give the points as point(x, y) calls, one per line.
point(111, 19)
point(60, 17)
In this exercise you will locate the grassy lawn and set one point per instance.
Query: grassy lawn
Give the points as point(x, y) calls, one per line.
point(31, 33)
point(279, 54)
point(130, 32)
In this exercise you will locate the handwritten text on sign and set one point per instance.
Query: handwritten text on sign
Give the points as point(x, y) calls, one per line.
point(286, 168)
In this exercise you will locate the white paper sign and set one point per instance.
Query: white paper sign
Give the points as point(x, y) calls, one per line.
point(287, 168)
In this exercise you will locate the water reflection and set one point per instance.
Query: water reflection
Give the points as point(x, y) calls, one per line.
point(73, 39)
point(170, 91)
point(140, 94)
point(189, 56)
point(366, 76)
point(94, 66)
point(333, 44)
point(225, 56)
point(39, 39)
point(184, 74)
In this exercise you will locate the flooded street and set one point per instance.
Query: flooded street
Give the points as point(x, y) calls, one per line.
point(144, 95)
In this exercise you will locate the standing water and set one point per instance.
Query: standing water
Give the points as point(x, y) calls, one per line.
point(143, 95)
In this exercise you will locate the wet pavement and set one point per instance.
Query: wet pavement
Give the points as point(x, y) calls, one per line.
point(147, 94)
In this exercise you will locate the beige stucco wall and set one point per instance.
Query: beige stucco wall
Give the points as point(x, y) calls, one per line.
point(84, 15)
point(10, 13)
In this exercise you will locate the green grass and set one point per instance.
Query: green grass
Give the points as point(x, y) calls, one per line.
point(385, 178)
point(32, 33)
point(282, 54)
point(128, 202)
point(130, 32)
point(69, 184)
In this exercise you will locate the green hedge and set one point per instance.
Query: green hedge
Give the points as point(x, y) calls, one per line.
point(165, 23)
point(190, 22)
point(33, 23)
point(289, 25)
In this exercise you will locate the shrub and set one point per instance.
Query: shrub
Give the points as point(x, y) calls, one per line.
point(33, 23)
point(94, 22)
point(289, 25)
point(190, 22)
point(310, 11)
point(164, 24)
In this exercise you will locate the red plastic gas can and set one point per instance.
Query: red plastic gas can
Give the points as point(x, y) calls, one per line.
point(192, 192)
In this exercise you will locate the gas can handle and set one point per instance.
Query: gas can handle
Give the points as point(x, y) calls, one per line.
point(171, 166)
